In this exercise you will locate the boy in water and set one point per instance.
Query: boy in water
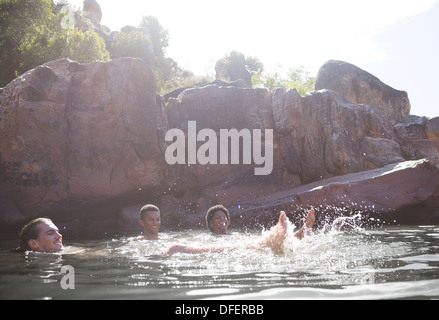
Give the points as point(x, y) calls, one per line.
point(150, 221)
point(218, 220)
point(274, 239)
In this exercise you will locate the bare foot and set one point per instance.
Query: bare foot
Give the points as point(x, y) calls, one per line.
point(310, 218)
point(309, 222)
point(275, 238)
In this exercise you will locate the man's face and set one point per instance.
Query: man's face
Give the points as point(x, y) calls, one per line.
point(49, 239)
point(219, 222)
point(151, 223)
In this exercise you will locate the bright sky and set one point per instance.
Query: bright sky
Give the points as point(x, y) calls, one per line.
point(395, 40)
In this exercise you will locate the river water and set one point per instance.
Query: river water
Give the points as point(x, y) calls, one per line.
point(339, 263)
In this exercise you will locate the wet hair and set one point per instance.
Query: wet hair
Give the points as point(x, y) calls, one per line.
point(148, 208)
point(30, 231)
point(212, 210)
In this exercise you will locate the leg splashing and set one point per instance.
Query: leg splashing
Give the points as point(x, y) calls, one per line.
point(277, 236)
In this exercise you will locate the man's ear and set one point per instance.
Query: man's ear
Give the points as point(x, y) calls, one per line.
point(141, 222)
point(33, 244)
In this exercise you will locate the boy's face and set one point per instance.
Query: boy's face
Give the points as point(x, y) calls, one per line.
point(219, 223)
point(49, 239)
point(150, 223)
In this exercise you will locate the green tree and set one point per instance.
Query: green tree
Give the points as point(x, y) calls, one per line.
point(297, 78)
point(236, 66)
point(133, 43)
point(158, 36)
point(32, 33)
point(182, 78)
point(78, 45)
point(300, 79)
point(149, 42)
point(18, 21)
point(267, 80)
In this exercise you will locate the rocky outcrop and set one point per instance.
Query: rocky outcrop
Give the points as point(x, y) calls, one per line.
point(362, 87)
point(317, 136)
point(218, 82)
point(80, 142)
point(402, 193)
point(93, 11)
point(323, 135)
point(419, 138)
point(410, 189)
point(78, 134)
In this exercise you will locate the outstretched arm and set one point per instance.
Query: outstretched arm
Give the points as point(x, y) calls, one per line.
point(179, 248)
point(274, 239)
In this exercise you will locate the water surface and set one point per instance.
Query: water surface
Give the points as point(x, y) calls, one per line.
point(353, 263)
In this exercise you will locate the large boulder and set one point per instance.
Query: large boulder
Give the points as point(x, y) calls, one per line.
point(93, 10)
point(317, 136)
point(361, 87)
point(419, 137)
point(412, 185)
point(403, 193)
point(74, 134)
point(216, 108)
point(323, 135)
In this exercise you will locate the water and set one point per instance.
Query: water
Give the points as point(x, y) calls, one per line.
point(340, 263)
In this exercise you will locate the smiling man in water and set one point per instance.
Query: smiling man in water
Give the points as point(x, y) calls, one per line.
point(150, 221)
point(41, 235)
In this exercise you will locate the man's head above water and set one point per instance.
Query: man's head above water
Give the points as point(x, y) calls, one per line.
point(150, 221)
point(41, 235)
point(218, 219)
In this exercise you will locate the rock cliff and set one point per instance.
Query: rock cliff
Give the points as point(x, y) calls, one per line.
point(362, 87)
point(79, 134)
point(84, 142)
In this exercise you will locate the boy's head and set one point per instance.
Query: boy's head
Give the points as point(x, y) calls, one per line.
point(150, 221)
point(218, 219)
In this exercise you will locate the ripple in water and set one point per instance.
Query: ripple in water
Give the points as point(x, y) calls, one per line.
point(343, 259)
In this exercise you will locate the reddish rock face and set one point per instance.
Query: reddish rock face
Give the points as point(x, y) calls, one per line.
point(362, 87)
point(73, 133)
point(86, 140)
point(419, 137)
point(323, 135)
point(402, 193)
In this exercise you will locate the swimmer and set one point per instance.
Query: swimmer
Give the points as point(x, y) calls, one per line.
point(150, 221)
point(41, 235)
point(218, 220)
point(273, 240)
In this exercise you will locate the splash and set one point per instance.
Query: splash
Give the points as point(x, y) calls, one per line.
point(354, 222)
point(342, 218)
point(333, 222)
